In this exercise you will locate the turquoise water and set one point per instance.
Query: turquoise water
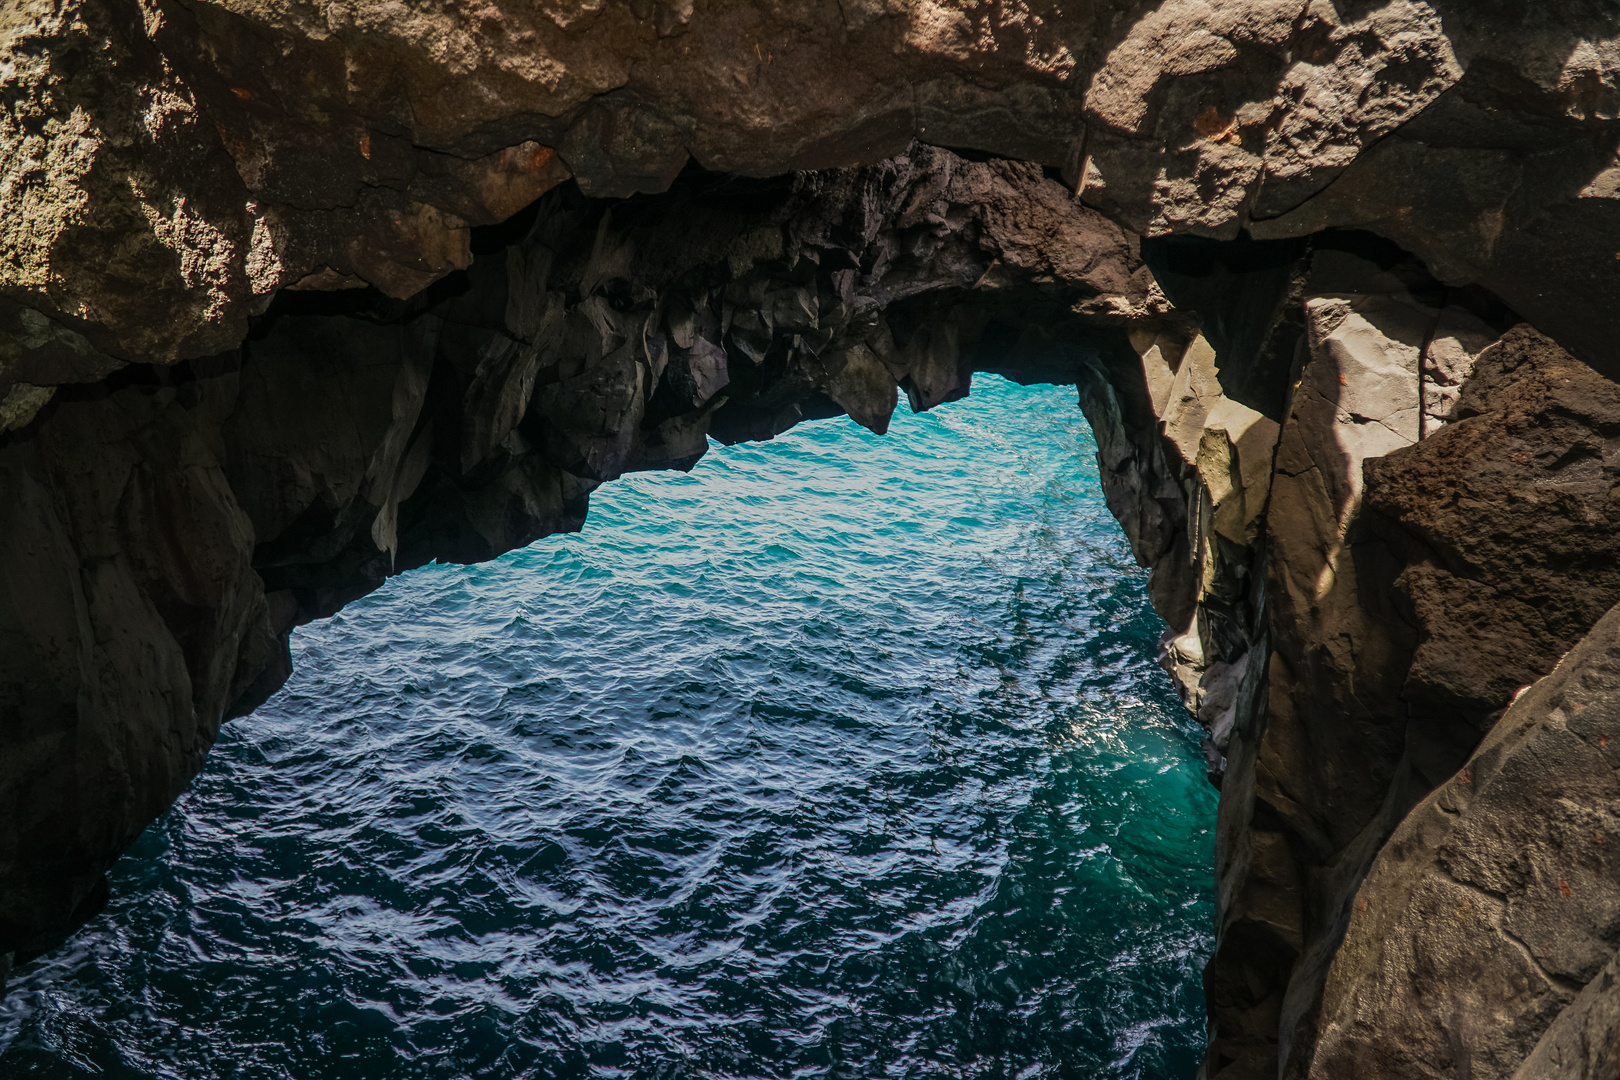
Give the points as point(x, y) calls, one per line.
point(842, 756)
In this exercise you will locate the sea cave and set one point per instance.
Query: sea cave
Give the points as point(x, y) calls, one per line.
point(856, 539)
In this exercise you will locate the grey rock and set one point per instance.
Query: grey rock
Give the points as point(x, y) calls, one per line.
point(1583, 1043)
point(325, 146)
point(1494, 903)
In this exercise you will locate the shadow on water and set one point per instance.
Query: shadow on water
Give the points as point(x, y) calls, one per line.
point(841, 756)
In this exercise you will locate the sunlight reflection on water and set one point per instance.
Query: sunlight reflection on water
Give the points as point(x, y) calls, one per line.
point(840, 756)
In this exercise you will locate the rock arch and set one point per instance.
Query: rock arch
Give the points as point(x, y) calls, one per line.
point(271, 331)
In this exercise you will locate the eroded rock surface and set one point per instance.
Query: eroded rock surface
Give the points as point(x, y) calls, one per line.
point(1349, 649)
point(198, 156)
point(1514, 525)
point(128, 605)
point(1483, 940)
point(1504, 523)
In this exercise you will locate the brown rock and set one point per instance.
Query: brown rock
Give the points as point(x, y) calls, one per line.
point(211, 155)
point(1519, 532)
point(1494, 903)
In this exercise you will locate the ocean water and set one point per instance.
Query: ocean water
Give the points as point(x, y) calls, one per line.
point(841, 756)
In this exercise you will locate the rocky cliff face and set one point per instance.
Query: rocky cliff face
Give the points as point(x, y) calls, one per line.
point(1348, 644)
point(298, 296)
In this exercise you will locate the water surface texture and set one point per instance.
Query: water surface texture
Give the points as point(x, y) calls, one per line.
point(842, 756)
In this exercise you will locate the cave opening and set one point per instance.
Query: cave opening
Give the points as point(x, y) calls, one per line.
point(838, 752)
point(1230, 384)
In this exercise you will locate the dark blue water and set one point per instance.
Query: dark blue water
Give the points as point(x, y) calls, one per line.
point(839, 757)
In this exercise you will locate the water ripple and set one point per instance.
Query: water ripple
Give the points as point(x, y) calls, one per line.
point(840, 757)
